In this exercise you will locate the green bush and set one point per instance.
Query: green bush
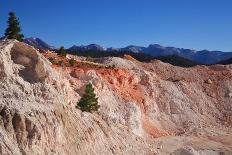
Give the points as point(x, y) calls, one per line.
point(89, 101)
point(61, 63)
point(72, 62)
point(111, 66)
point(88, 58)
point(53, 61)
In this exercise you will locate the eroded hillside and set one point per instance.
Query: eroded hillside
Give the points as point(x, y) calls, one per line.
point(146, 108)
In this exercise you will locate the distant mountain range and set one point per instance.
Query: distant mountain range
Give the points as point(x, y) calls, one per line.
point(93, 47)
point(156, 50)
point(38, 43)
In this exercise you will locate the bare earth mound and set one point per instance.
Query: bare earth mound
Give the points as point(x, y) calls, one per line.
point(146, 108)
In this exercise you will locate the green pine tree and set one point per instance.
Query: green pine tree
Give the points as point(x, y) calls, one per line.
point(62, 51)
point(13, 30)
point(89, 101)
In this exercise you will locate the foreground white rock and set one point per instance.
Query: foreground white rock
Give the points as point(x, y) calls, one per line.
point(151, 108)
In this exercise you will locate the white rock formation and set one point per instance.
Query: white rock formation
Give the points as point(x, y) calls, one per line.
point(152, 108)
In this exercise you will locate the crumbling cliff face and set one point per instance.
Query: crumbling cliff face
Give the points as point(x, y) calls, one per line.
point(146, 108)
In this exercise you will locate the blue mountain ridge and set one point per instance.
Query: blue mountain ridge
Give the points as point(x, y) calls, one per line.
point(156, 50)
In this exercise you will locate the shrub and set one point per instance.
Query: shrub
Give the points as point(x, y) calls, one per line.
point(89, 101)
point(53, 61)
point(88, 58)
point(72, 62)
point(61, 63)
point(175, 79)
point(111, 66)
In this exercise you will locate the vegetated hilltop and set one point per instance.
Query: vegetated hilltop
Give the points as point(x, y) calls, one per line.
point(226, 62)
point(145, 108)
point(171, 59)
point(177, 61)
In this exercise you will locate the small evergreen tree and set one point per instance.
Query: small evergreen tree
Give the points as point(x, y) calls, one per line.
point(13, 30)
point(62, 51)
point(89, 101)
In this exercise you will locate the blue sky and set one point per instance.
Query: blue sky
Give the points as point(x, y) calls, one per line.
point(195, 24)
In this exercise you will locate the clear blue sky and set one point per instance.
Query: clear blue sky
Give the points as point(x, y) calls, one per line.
point(196, 24)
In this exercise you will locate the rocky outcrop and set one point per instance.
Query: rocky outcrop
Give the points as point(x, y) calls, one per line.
point(151, 108)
